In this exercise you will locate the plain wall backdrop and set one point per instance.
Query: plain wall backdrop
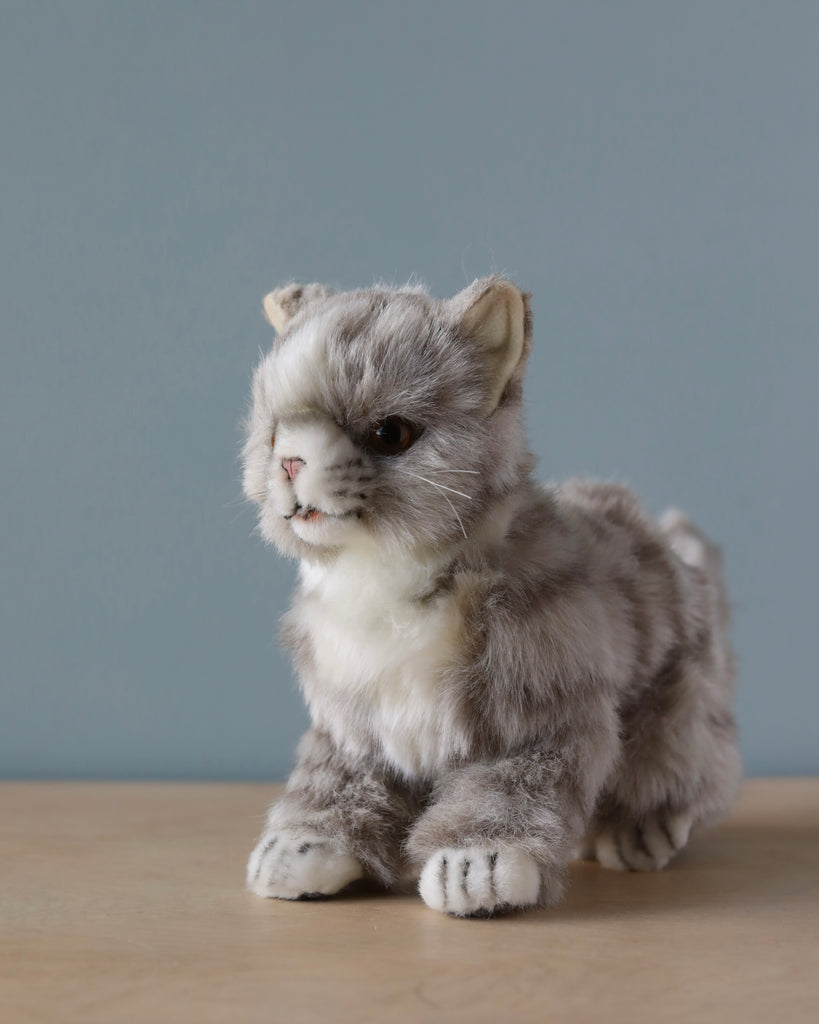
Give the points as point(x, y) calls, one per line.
point(649, 171)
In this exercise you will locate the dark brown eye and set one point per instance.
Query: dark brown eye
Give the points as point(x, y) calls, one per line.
point(273, 439)
point(391, 436)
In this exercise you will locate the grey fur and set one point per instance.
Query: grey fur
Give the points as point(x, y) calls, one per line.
point(589, 691)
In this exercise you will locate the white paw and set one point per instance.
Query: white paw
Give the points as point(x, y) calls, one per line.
point(479, 880)
point(288, 865)
point(646, 847)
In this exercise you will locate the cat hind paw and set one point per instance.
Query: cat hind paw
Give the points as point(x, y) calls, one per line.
point(292, 865)
point(479, 880)
point(649, 846)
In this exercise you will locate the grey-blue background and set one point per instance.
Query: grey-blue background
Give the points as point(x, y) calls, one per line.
point(648, 170)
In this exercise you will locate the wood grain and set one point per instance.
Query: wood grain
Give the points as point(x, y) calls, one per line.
point(124, 902)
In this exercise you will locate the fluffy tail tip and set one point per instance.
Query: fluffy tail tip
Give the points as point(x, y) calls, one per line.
point(690, 543)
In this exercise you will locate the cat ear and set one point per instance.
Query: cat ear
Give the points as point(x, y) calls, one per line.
point(494, 315)
point(281, 305)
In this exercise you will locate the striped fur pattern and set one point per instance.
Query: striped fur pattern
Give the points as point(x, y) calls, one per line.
point(499, 673)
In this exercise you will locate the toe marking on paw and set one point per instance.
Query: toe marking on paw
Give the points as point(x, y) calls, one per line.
point(492, 861)
point(442, 871)
point(640, 841)
point(666, 831)
point(467, 864)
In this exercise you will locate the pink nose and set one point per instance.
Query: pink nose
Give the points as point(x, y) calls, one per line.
point(292, 466)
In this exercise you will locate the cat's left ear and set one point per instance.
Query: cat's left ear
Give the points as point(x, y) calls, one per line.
point(494, 315)
point(281, 305)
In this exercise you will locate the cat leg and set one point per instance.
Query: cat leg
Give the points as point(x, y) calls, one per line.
point(498, 835)
point(337, 821)
point(679, 769)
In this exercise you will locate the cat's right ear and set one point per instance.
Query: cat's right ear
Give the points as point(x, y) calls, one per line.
point(281, 305)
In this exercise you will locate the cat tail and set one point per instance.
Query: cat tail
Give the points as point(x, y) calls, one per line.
point(712, 662)
point(694, 547)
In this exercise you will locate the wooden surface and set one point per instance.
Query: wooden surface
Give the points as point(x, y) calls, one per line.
point(124, 902)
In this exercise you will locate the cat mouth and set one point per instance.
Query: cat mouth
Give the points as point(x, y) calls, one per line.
point(306, 513)
point(311, 514)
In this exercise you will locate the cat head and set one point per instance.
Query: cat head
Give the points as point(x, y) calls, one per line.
point(386, 415)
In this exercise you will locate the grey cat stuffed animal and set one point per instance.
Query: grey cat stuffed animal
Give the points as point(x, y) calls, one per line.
point(499, 674)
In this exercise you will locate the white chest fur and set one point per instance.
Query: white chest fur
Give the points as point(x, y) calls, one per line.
point(379, 654)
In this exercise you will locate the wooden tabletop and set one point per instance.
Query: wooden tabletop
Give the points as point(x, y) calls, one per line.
point(124, 902)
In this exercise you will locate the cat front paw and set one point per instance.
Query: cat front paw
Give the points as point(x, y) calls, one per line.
point(479, 880)
point(290, 865)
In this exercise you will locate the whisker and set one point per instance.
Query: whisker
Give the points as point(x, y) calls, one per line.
point(473, 472)
point(442, 487)
point(454, 512)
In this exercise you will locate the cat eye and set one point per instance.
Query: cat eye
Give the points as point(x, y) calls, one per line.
point(391, 436)
point(273, 439)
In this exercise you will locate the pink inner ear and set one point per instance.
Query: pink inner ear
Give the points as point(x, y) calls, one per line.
point(282, 304)
point(496, 323)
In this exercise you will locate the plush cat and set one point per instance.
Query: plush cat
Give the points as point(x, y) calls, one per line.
point(499, 674)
